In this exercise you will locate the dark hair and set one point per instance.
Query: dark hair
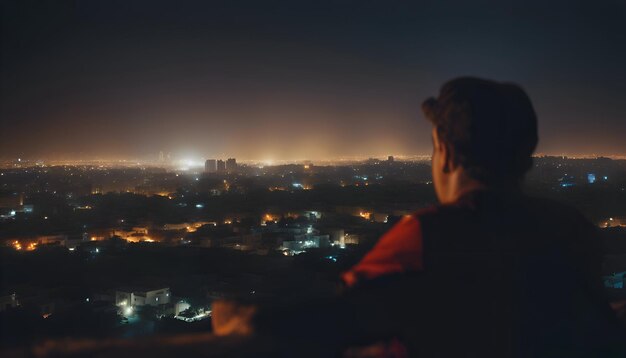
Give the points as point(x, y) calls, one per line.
point(489, 127)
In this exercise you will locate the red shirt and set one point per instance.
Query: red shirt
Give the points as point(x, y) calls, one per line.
point(399, 250)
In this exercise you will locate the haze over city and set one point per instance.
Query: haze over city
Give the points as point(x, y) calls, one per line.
point(286, 81)
point(312, 179)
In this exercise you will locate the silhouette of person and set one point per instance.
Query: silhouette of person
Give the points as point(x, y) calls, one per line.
point(494, 272)
point(483, 134)
point(489, 272)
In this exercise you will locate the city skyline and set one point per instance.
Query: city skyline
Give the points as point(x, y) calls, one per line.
point(198, 161)
point(287, 81)
point(312, 178)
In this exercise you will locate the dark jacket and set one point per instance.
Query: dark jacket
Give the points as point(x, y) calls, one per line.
point(492, 275)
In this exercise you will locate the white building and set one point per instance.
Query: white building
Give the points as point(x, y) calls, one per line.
point(301, 243)
point(142, 297)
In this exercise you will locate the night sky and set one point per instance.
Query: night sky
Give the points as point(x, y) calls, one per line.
point(296, 80)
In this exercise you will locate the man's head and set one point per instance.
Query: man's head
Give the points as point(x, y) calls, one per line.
point(484, 134)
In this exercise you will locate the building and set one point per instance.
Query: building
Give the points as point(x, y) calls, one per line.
point(390, 159)
point(336, 236)
point(231, 165)
point(615, 280)
point(73, 241)
point(221, 166)
point(188, 226)
point(134, 234)
point(350, 239)
point(379, 217)
point(142, 297)
point(210, 166)
point(181, 306)
point(11, 201)
point(301, 243)
point(51, 240)
point(617, 221)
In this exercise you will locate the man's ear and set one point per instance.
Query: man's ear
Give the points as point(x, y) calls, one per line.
point(444, 153)
point(448, 163)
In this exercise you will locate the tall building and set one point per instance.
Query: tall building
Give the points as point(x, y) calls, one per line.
point(221, 166)
point(231, 165)
point(210, 166)
point(390, 159)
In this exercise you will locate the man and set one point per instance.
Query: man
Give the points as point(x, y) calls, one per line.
point(496, 273)
point(489, 272)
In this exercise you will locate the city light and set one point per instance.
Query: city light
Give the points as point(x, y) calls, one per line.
point(591, 178)
point(392, 178)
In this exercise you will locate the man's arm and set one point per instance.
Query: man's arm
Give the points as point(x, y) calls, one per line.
point(380, 290)
point(376, 310)
point(399, 250)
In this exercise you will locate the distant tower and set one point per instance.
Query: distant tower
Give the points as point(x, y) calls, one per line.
point(221, 166)
point(231, 165)
point(210, 166)
point(161, 157)
point(390, 159)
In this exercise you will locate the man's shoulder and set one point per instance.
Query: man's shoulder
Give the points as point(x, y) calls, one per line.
point(441, 212)
point(437, 210)
point(483, 210)
point(531, 204)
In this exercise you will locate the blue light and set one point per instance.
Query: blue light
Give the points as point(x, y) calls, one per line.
point(199, 206)
point(606, 178)
point(591, 178)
